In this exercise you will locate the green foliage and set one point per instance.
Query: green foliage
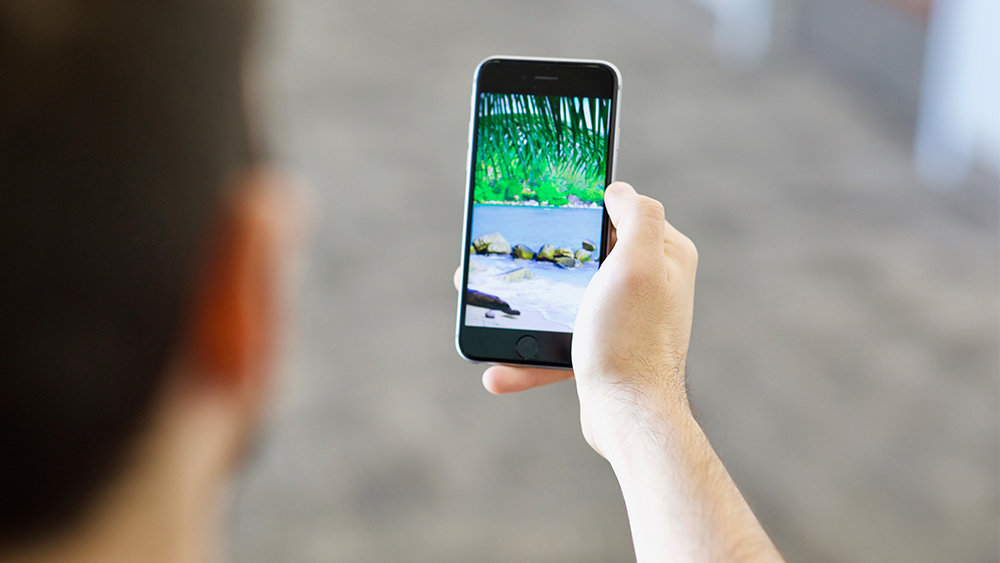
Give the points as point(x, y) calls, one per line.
point(541, 148)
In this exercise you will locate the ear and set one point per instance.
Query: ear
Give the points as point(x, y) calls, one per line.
point(234, 328)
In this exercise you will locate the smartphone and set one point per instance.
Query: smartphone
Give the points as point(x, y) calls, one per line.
point(542, 149)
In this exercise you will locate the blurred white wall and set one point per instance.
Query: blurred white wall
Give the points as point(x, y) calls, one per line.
point(741, 33)
point(957, 125)
point(959, 122)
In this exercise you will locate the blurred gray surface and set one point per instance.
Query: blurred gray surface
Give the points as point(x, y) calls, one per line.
point(845, 351)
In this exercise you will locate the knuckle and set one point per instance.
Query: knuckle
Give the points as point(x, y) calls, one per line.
point(690, 251)
point(683, 258)
point(650, 208)
point(683, 250)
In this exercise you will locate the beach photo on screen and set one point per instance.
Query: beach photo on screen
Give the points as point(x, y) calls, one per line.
point(537, 211)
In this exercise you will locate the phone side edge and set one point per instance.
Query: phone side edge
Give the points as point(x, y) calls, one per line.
point(618, 111)
point(613, 153)
point(465, 212)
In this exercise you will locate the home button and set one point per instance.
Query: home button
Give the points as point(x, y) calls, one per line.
point(527, 347)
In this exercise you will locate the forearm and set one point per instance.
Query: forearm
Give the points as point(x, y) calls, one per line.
point(681, 502)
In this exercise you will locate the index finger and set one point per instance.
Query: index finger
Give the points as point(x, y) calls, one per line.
point(501, 380)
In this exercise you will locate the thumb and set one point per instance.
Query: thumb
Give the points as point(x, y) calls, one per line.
point(638, 220)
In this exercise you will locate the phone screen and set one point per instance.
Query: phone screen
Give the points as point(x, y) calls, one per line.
point(540, 169)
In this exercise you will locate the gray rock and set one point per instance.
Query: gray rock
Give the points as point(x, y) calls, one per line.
point(522, 252)
point(490, 314)
point(568, 263)
point(520, 274)
point(589, 245)
point(493, 243)
point(546, 254)
point(582, 255)
point(498, 248)
point(564, 252)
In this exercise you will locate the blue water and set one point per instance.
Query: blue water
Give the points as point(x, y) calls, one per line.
point(535, 226)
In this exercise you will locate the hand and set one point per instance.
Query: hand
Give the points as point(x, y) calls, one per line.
point(632, 332)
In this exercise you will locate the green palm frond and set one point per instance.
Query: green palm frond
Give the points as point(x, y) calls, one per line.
point(533, 146)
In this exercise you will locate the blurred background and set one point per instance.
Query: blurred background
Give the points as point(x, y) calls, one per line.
point(834, 160)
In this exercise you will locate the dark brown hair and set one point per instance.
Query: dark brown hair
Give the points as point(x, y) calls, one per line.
point(120, 121)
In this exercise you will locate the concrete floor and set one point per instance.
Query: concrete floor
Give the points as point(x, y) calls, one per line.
point(845, 351)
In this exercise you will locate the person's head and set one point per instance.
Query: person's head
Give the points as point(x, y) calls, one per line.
point(136, 249)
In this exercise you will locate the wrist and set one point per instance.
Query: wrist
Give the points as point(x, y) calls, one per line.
point(632, 422)
point(656, 447)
